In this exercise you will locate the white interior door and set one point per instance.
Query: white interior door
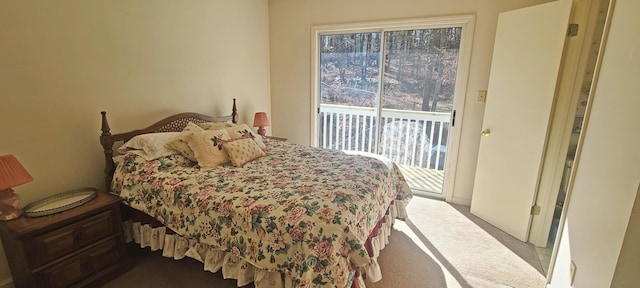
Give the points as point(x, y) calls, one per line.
point(524, 71)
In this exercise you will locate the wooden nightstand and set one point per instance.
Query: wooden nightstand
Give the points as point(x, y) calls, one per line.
point(80, 247)
point(277, 138)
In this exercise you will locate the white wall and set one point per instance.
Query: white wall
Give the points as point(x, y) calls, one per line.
point(290, 40)
point(64, 61)
point(626, 274)
point(608, 168)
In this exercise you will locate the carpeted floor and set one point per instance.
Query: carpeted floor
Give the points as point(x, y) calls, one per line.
point(441, 245)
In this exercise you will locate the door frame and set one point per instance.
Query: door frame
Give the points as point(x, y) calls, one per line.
point(466, 40)
point(570, 86)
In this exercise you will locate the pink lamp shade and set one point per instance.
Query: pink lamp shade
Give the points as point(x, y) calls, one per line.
point(260, 120)
point(12, 174)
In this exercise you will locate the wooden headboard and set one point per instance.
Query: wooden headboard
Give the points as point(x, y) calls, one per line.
point(173, 123)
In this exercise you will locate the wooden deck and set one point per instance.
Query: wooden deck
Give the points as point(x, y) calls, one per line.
point(423, 179)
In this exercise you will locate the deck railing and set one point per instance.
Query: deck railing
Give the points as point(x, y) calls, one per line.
point(413, 138)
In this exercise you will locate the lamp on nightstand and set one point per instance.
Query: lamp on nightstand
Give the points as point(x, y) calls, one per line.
point(12, 174)
point(261, 120)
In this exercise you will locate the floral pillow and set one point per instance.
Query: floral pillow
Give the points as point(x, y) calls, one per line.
point(150, 146)
point(216, 125)
point(207, 147)
point(243, 130)
point(242, 150)
point(180, 143)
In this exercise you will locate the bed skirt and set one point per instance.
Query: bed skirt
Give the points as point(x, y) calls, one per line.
point(233, 267)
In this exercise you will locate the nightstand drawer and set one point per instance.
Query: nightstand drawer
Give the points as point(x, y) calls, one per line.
point(80, 247)
point(69, 238)
point(82, 265)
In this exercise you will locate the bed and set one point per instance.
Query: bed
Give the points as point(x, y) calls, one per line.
point(297, 216)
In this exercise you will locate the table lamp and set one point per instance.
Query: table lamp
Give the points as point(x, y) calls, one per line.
point(261, 120)
point(12, 174)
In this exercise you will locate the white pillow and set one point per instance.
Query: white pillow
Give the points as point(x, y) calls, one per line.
point(207, 147)
point(150, 146)
point(181, 142)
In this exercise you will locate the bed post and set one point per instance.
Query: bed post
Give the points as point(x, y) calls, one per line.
point(234, 112)
point(107, 144)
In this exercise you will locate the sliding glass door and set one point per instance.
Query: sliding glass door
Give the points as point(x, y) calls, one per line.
point(349, 89)
point(420, 70)
point(390, 91)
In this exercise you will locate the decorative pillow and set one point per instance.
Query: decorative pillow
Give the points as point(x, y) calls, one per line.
point(242, 150)
point(181, 142)
point(216, 125)
point(243, 130)
point(207, 147)
point(150, 146)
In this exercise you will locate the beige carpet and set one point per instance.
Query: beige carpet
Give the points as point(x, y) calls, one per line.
point(441, 245)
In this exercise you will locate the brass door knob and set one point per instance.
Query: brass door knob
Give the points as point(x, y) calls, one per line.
point(485, 132)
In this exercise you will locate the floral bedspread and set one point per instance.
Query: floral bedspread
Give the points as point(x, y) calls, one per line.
point(300, 210)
